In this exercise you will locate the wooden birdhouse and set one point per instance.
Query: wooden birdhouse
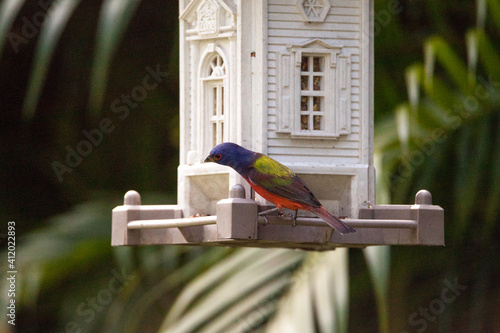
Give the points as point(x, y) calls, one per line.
point(290, 79)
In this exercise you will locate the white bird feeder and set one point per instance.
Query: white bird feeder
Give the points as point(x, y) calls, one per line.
point(293, 80)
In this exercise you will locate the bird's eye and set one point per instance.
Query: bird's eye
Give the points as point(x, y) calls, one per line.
point(217, 157)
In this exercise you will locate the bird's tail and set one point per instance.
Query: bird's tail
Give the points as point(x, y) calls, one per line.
point(333, 221)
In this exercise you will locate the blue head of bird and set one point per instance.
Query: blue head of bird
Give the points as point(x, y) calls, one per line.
point(232, 155)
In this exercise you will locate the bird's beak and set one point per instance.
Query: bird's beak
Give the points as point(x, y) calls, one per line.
point(209, 159)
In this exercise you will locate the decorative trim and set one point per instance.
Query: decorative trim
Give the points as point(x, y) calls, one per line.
point(210, 19)
point(313, 10)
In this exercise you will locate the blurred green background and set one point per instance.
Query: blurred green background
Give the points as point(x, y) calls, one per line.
point(437, 113)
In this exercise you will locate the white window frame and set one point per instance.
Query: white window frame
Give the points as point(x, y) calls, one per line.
point(337, 90)
point(216, 110)
point(310, 94)
point(208, 81)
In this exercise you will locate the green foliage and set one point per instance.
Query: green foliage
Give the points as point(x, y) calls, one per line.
point(378, 260)
point(265, 290)
point(237, 294)
point(113, 20)
point(447, 142)
point(51, 31)
point(319, 296)
point(8, 12)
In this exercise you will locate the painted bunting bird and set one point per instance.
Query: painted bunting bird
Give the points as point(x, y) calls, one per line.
point(274, 182)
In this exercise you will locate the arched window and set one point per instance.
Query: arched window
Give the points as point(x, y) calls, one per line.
point(217, 67)
point(214, 99)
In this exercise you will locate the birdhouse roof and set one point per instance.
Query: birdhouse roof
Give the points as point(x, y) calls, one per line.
point(189, 13)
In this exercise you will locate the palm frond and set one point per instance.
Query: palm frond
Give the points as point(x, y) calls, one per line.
point(318, 298)
point(113, 20)
point(494, 11)
point(378, 260)
point(9, 9)
point(450, 61)
point(236, 288)
point(488, 54)
point(50, 33)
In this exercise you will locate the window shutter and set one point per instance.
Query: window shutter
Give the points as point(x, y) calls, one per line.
point(344, 95)
point(285, 104)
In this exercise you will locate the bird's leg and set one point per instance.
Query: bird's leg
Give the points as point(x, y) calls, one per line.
point(294, 218)
point(264, 213)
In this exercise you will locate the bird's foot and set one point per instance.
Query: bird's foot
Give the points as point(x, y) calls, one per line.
point(280, 214)
point(292, 216)
point(264, 213)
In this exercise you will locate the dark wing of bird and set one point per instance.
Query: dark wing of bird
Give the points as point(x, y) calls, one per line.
point(278, 179)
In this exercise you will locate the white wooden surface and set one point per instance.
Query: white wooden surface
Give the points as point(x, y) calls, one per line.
point(261, 42)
